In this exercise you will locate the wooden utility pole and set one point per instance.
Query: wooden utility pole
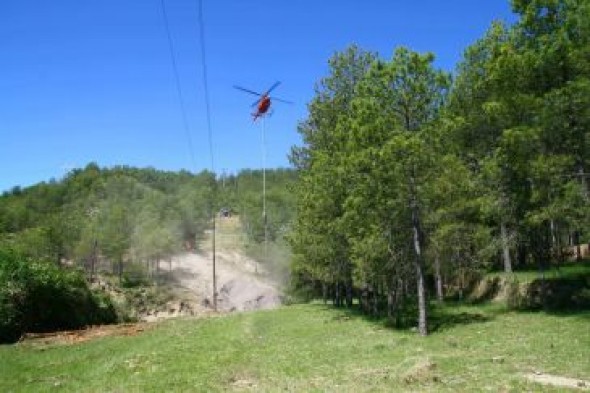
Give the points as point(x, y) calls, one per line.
point(213, 250)
point(264, 219)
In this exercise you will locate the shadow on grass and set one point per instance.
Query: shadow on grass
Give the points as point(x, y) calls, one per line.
point(559, 296)
point(440, 317)
point(566, 293)
point(448, 315)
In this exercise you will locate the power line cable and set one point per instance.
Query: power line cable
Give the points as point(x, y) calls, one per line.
point(185, 118)
point(205, 83)
point(210, 137)
point(178, 85)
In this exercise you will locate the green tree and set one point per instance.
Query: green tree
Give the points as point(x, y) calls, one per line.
point(366, 187)
point(320, 248)
point(409, 94)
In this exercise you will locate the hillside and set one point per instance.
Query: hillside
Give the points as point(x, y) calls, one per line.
point(143, 236)
point(117, 219)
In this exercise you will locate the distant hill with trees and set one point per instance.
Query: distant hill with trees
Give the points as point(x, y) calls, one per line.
point(123, 216)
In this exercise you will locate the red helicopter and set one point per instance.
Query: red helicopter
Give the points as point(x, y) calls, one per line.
point(263, 103)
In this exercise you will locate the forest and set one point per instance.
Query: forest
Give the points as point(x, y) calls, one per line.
point(411, 178)
point(123, 216)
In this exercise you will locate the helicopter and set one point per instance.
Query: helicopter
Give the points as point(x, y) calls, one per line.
point(262, 104)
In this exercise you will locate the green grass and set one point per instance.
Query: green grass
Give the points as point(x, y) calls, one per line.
point(568, 270)
point(312, 348)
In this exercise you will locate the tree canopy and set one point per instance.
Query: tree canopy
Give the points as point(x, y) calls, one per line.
point(407, 173)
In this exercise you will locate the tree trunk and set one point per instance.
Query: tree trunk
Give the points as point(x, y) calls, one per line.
point(349, 294)
point(419, 265)
point(556, 243)
point(400, 301)
point(360, 299)
point(461, 284)
point(375, 299)
point(393, 297)
point(120, 270)
point(583, 181)
point(505, 248)
point(390, 303)
point(553, 237)
point(93, 260)
point(337, 301)
point(578, 247)
point(365, 299)
point(422, 326)
point(439, 282)
point(158, 270)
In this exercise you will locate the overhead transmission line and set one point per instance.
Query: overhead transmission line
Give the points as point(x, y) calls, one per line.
point(210, 137)
point(206, 83)
point(178, 84)
point(185, 119)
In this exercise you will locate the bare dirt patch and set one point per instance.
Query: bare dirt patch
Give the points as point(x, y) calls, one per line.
point(240, 384)
point(422, 371)
point(70, 337)
point(556, 380)
point(241, 283)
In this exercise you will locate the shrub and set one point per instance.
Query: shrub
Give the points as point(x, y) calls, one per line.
point(37, 296)
point(135, 275)
point(514, 298)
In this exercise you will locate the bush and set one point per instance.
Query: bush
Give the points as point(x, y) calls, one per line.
point(550, 294)
point(135, 275)
point(37, 296)
point(11, 314)
point(559, 294)
point(514, 297)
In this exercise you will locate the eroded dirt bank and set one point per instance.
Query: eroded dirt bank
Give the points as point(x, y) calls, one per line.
point(241, 283)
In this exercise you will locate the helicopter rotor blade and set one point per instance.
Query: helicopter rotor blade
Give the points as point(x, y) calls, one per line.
point(247, 91)
point(281, 100)
point(272, 87)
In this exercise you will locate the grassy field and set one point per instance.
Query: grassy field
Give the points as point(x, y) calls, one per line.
point(312, 348)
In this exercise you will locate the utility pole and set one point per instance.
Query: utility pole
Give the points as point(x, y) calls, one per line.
point(264, 220)
point(213, 250)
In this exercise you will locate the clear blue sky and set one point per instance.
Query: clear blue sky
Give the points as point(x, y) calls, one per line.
point(84, 81)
